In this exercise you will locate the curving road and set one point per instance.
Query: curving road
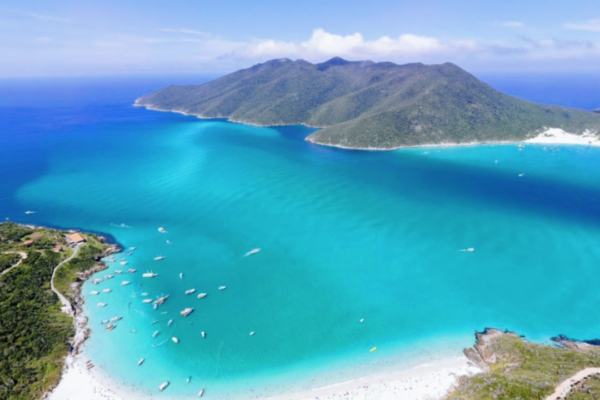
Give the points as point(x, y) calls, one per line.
point(66, 304)
point(23, 257)
point(565, 386)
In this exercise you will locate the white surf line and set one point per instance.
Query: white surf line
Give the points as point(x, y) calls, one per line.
point(565, 386)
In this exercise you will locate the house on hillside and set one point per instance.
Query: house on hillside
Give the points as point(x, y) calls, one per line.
point(75, 238)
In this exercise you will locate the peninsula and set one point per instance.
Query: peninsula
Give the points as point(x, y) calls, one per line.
point(368, 105)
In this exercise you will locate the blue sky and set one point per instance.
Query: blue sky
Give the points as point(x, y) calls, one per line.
point(79, 37)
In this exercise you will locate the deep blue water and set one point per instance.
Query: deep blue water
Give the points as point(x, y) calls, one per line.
point(345, 235)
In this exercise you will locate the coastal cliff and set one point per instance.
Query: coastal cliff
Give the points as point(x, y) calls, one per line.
point(368, 105)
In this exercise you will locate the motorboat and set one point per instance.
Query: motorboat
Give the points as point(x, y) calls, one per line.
point(118, 271)
point(110, 327)
point(253, 251)
point(96, 281)
point(202, 295)
point(175, 339)
point(170, 322)
point(186, 312)
point(201, 392)
point(146, 301)
point(222, 287)
point(158, 258)
point(190, 291)
point(104, 322)
point(161, 300)
point(181, 275)
point(149, 274)
point(362, 320)
point(132, 248)
point(101, 304)
point(108, 277)
point(115, 319)
point(155, 334)
point(123, 263)
point(107, 290)
point(203, 334)
point(251, 333)
point(163, 386)
point(94, 292)
point(141, 361)
point(125, 283)
point(162, 230)
point(131, 270)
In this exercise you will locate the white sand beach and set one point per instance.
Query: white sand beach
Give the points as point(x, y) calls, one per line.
point(558, 136)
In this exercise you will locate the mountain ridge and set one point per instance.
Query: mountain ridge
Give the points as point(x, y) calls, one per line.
point(364, 104)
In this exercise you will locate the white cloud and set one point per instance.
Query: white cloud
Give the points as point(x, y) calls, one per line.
point(592, 25)
point(324, 44)
point(510, 24)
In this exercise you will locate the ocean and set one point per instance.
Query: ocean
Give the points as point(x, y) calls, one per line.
point(344, 236)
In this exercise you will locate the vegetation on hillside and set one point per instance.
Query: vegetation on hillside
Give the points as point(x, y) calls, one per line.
point(365, 104)
point(517, 369)
point(34, 333)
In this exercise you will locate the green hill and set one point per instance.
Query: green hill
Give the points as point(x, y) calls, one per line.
point(370, 105)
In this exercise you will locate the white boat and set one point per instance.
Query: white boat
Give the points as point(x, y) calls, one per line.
point(170, 322)
point(201, 392)
point(181, 275)
point(108, 276)
point(203, 334)
point(101, 304)
point(189, 378)
point(154, 322)
point(163, 386)
point(115, 319)
point(94, 292)
point(141, 361)
point(162, 230)
point(123, 263)
point(149, 275)
point(520, 175)
point(362, 320)
point(104, 322)
point(133, 331)
point(253, 251)
point(222, 287)
point(107, 290)
point(202, 295)
point(190, 291)
point(96, 281)
point(146, 301)
point(251, 333)
point(30, 212)
point(110, 327)
point(118, 271)
point(132, 248)
point(144, 294)
point(155, 334)
point(158, 258)
point(186, 312)
point(161, 300)
point(175, 339)
point(168, 242)
point(131, 270)
point(125, 283)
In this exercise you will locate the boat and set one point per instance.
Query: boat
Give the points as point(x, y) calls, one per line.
point(170, 322)
point(108, 277)
point(154, 322)
point(163, 386)
point(129, 254)
point(144, 294)
point(122, 259)
point(133, 331)
point(149, 275)
point(168, 242)
point(251, 333)
point(110, 327)
point(181, 275)
point(175, 339)
point(253, 251)
point(362, 320)
point(94, 292)
point(131, 270)
point(132, 248)
point(141, 361)
point(118, 271)
point(202, 295)
point(203, 334)
point(96, 281)
point(123, 263)
point(162, 230)
point(155, 334)
point(30, 212)
point(190, 291)
point(520, 175)
point(186, 312)
point(222, 287)
point(101, 304)
point(107, 290)
point(125, 283)
point(189, 378)
point(115, 319)
point(201, 392)
point(146, 301)
point(158, 258)
point(104, 322)
point(161, 300)
point(373, 349)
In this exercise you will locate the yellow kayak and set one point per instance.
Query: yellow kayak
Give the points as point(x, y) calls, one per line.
point(373, 349)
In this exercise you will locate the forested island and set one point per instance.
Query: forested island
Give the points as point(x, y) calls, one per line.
point(35, 334)
point(368, 105)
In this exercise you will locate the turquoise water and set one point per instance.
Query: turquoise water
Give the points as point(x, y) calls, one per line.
point(344, 235)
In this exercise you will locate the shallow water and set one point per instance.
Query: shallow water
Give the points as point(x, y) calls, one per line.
point(344, 235)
